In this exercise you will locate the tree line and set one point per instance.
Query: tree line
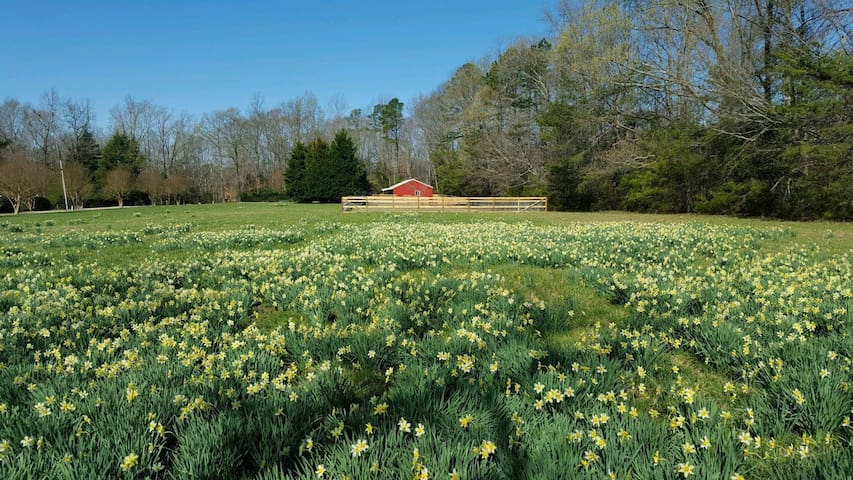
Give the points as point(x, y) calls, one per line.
point(155, 155)
point(740, 107)
point(725, 107)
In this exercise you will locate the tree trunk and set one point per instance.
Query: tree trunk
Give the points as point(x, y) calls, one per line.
point(766, 83)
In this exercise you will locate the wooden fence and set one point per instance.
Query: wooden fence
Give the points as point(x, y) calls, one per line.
point(441, 203)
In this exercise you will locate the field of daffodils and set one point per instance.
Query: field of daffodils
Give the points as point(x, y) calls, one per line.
point(400, 348)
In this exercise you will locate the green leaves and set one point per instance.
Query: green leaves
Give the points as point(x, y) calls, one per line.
point(326, 172)
point(121, 150)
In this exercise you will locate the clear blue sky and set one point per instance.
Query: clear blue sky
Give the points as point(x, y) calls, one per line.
point(200, 56)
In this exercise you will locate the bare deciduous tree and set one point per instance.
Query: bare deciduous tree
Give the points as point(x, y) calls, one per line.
point(78, 118)
point(136, 119)
point(117, 183)
point(303, 118)
point(153, 183)
point(79, 183)
point(13, 124)
point(43, 127)
point(22, 180)
point(175, 186)
point(223, 131)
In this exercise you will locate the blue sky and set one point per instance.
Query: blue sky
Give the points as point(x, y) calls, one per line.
point(200, 56)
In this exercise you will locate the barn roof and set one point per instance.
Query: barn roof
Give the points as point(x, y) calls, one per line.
point(392, 187)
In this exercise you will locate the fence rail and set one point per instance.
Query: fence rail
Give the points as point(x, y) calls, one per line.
point(441, 203)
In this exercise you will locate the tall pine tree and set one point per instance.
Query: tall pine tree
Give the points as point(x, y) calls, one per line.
point(347, 174)
point(121, 150)
point(325, 172)
point(294, 176)
point(86, 151)
point(316, 167)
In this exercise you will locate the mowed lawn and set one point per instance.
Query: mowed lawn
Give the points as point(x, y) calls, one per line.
point(833, 236)
point(297, 341)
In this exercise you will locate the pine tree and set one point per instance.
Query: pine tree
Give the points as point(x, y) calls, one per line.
point(86, 151)
point(121, 150)
point(318, 166)
point(325, 172)
point(815, 138)
point(350, 176)
point(294, 176)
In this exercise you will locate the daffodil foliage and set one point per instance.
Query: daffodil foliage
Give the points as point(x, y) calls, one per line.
point(394, 349)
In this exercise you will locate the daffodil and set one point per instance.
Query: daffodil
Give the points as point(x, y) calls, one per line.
point(404, 425)
point(129, 462)
point(359, 447)
point(685, 469)
point(487, 448)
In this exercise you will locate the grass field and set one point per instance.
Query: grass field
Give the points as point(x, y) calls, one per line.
point(290, 341)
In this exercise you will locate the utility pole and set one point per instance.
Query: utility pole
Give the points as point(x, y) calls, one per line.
point(61, 169)
point(62, 176)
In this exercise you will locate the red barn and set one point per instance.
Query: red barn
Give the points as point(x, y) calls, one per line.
point(410, 188)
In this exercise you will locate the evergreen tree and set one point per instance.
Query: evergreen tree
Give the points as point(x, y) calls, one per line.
point(316, 166)
point(815, 141)
point(121, 150)
point(350, 176)
point(388, 118)
point(325, 172)
point(86, 151)
point(295, 175)
point(562, 133)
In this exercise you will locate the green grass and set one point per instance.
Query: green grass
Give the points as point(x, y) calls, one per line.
point(439, 316)
point(833, 236)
